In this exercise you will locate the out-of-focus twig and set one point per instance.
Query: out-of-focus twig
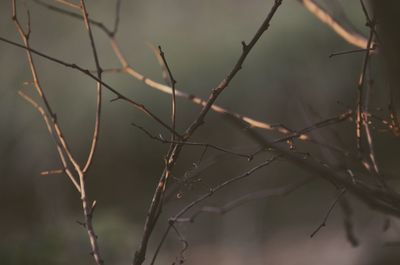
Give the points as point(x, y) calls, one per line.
point(119, 96)
point(348, 221)
point(253, 196)
point(374, 196)
point(128, 69)
point(211, 192)
point(360, 86)
point(347, 34)
point(171, 158)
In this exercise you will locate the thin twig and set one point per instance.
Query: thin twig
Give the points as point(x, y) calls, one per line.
point(119, 96)
point(375, 197)
point(303, 133)
point(185, 245)
point(350, 52)
point(365, 119)
point(87, 209)
point(216, 147)
point(127, 69)
point(211, 192)
point(172, 83)
point(253, 196)
point(158, 197)
point(318, 125)
point(52, 118)
point(323, 15)
point(117, 18)
point(328, 213)
point(69, 4)
point(362, 107)
point(99, 71)
point(360, 85)
point(49, 127)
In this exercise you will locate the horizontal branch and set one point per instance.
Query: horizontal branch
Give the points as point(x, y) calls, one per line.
point(250, 197)
point(88, 73)
point(382, 200)
point(207, 145)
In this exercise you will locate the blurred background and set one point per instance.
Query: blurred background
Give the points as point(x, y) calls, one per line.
point(288, 78)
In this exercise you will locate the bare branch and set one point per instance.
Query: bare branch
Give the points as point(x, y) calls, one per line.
point(207, 145)
point(253, 196)
point(350, 36)
point(117, 17)
point(49, 126)
point(69, 4)
point(87, 209)
point(126, 68)
point(360, 86)
point(347, 221)
point(99, 71)
point(61, 143)
point(375, 197)
point(171, 82)
point(350, 52)
point(303, 134)
point(178, 216)
point(158, 197)
point(328, 213)
point(86, 72)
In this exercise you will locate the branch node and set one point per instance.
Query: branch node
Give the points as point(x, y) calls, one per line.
point(81, 223)
point(244, 45)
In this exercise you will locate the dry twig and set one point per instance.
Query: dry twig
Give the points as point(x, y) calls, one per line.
point(156, 205)
point(347, 34)
point(328, 213)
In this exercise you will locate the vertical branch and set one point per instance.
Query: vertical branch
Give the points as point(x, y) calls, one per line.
point(348, 213)
point(49, 126)
point(362, 117)
point(172, 83)
point(54, 129)
point(174, 151)
point(360, 85)
point(89, 209)
point(350, 36)
point(368, 135)
point(117, 18)
point(25, 35)
point(246, 48)
point(99, 71)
